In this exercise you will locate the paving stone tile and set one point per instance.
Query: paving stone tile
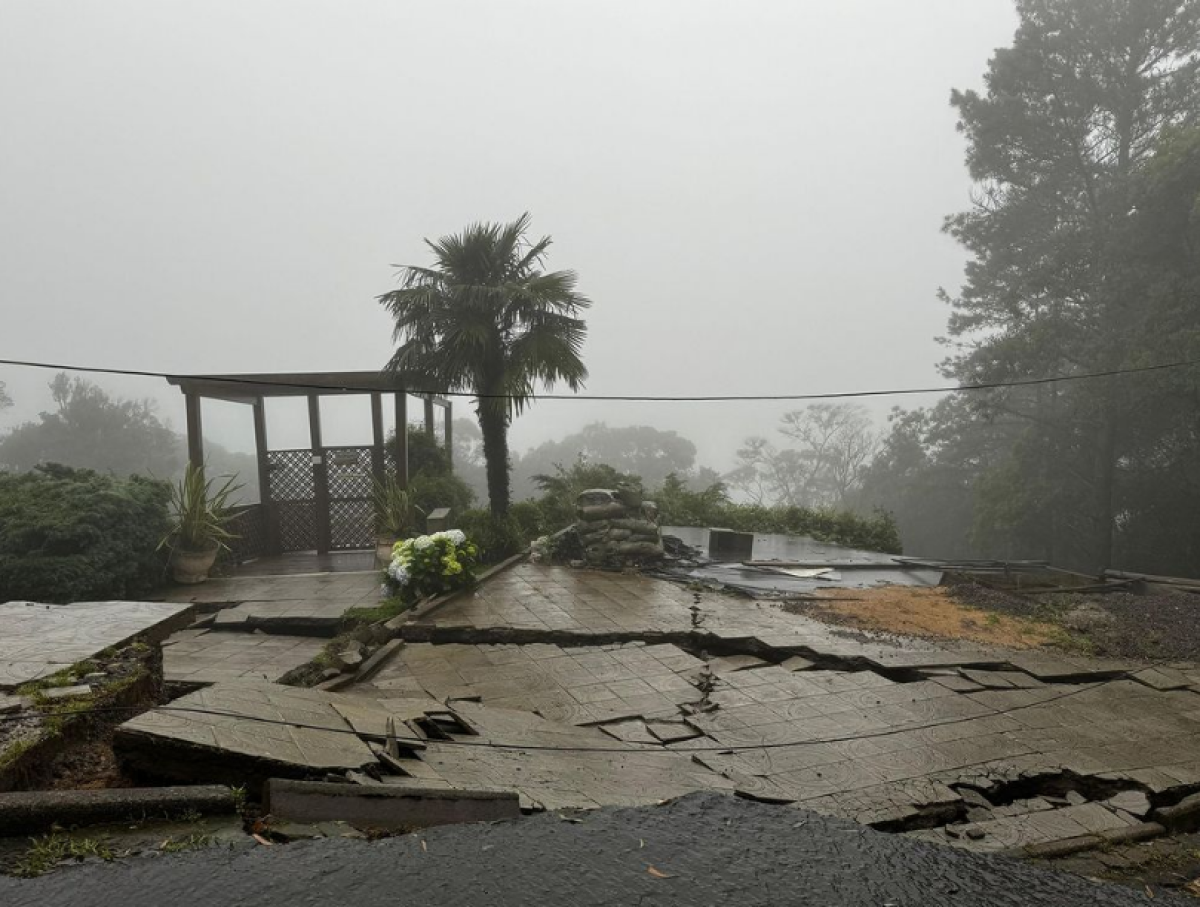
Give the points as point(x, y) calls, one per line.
point(38, 640)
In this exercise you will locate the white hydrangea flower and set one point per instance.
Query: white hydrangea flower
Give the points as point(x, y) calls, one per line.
point(457, 536)
point(422, 542)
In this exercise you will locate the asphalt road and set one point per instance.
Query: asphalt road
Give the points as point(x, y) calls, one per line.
point(701, 850)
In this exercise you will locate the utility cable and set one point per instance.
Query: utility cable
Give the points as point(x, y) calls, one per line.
point(627, 398)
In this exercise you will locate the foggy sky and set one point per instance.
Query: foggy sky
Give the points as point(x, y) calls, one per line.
point(751, 193)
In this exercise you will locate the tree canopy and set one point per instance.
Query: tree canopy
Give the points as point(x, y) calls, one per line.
point(640, 450)
point(829, 445)
point(486, 319)
point(91, 429)
point(1083, 243)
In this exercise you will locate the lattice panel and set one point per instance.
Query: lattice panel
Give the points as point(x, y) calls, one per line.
point(291, 475)
point(351, 524)
point(249, 527)
point(349, 470)
point(297, 525)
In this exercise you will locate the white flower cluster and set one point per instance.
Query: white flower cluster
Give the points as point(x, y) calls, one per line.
point(453, 536)
point(398, 570)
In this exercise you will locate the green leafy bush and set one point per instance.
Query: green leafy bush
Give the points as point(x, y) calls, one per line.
point(429, 492)
point(680, 506)
point(529, 519)
point(839, 527)
point(560, 490)
point(497, 537)
point(75, 535)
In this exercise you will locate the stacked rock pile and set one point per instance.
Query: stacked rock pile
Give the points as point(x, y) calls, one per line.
point(616, 527)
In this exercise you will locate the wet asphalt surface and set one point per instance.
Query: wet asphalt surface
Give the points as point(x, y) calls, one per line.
point(703, 849)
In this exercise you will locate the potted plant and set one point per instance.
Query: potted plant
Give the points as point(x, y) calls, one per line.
point(394, 516)
point(200, 513)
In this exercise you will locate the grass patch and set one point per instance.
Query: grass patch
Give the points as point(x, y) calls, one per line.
point(1072, 643)
point(13, 753)
point(194, 841)
point(385, 610)
point(53, 849)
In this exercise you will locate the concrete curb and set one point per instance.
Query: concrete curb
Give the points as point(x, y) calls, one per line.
point(393, 627)
point(398, 808)
point(366, 670)
point(1065, 847)
point(424, 609)
point(32, 812)
point(1184, 813)
point(377, 659)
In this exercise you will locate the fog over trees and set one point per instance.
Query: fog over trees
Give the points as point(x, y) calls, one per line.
point(726, 252)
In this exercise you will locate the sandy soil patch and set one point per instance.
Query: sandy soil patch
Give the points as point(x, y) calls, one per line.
point(926, 612)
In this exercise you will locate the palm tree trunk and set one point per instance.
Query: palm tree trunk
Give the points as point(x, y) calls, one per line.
point(493, 423)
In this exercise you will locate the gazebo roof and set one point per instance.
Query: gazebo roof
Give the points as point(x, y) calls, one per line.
point(247, 388)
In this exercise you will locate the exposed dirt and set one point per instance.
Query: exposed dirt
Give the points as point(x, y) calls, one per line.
point(89, 765)
point(927, 613)
point(1154, 626)
point(1169, 863)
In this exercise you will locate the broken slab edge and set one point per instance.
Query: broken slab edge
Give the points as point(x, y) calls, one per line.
point(380, 806)
point(1065, 847)
point(427, 607)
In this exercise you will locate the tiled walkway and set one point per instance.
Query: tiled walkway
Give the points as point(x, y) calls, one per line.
point(264, 626)
point(37, 640)
point(598, 603)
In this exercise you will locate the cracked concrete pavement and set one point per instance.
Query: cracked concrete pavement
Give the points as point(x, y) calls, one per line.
point(573, 671)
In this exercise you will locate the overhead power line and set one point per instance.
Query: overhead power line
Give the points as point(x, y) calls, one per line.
point(636, 398)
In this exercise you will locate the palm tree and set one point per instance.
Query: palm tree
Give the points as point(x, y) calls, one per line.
point(486, 320)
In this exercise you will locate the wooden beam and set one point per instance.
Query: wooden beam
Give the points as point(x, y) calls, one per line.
point(195, 431)
point(448, 411)
point(285, 384)
point(402, 439)
point(377, 439)
point(320, 474)
point(270, 521)
point(429, 429)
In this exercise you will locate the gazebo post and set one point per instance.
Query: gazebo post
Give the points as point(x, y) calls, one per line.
point(270, 536)
point(320, 474)
point(377, 441)
point(429, 430)
point(195, 430)
point(402, 438)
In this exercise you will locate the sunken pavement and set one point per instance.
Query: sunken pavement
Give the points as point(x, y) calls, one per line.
point(579, 688)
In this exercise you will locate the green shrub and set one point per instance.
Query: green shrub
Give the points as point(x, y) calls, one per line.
point(426, 455)
point(75, 535)
point(679, 506)
point(839, 527)
point(559, 491)
point(429, 491)
point(497, 537)
point(529, 519)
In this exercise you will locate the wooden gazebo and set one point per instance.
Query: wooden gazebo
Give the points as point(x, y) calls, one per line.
point(316, 498)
